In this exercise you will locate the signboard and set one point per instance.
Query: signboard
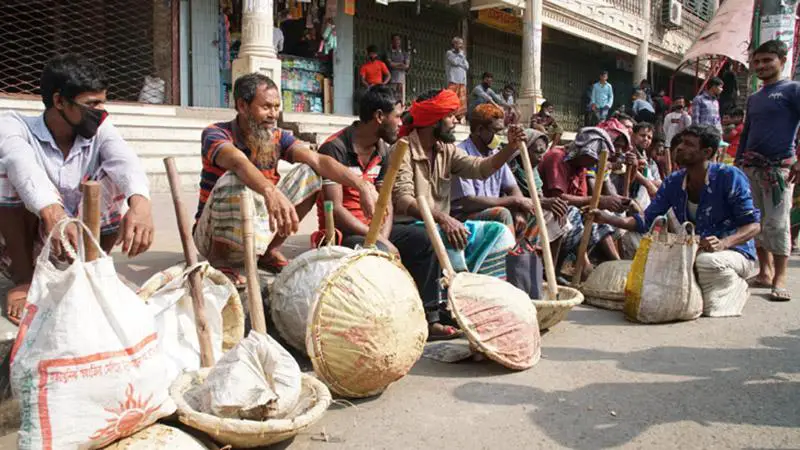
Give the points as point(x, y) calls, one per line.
point(501, 20)
point(780, 27)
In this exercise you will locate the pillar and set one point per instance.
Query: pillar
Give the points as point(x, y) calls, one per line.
point(257, 53)
point(343, 65)
point(640, 63)
point(530, 90)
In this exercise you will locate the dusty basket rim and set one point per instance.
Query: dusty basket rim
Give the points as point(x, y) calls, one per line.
point(576, 300)
point(218, 427)
point(472, 336)
point(314, 350)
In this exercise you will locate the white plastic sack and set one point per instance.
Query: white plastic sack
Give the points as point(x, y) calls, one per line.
point(257, 380)
point(172, 308)
point(661, 286)
point(86, 365)
point(153, 91)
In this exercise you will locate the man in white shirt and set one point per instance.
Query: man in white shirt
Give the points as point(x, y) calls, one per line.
point(675, 122)
point(43, 161)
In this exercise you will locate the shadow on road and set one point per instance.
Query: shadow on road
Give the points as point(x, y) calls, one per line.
point(736, 386)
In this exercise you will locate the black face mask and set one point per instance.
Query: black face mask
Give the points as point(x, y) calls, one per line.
point(91, 119)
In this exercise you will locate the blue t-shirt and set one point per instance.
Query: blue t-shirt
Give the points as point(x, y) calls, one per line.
point(726, 204)
point(770, 126)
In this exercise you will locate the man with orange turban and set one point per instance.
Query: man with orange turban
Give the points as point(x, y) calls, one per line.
point(428, 168)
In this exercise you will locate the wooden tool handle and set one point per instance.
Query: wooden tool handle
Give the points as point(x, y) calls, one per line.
point(330, 228)
point(91, 217)
point(190, 256)
point(588, 222)
point(385, 196)
point(436, 239)
point(626, 189)
point(257, 319)
point(544, 239)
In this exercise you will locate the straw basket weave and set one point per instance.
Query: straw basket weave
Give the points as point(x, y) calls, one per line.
point(551, 312)
point(232, 313)
point(161, 436)
point(497, 318)
point(367, 327)
point(294, 289)
point(605, 287)
point(314, 401)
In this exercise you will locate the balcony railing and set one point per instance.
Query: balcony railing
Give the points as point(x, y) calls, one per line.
point(629, 6)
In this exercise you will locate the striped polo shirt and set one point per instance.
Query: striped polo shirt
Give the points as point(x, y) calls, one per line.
point(229, 133)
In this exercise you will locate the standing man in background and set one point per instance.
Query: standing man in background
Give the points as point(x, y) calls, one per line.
point(374, 71)
point(457, 65)
point(399, 62)
point(602, 97)
point(705, 107)
point(767, 155)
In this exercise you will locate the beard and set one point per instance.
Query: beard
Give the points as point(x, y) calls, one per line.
point(260, 143)
point(387, 133)
point(443, 134)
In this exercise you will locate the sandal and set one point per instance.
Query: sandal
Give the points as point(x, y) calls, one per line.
point(15, 302)
point(238, 280)
point(755, 282)
point(443, 332)
point(780, 295)
point(273, 262)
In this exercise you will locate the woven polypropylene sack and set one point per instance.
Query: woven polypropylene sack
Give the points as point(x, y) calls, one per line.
point(605, 287)
point(367, 325)
point(497, 318)
point(294, 289)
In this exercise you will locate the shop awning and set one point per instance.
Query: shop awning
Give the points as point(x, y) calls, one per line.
point(728, 33)
point(477, 5)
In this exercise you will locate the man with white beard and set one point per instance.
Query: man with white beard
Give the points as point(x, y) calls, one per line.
point(244, 154)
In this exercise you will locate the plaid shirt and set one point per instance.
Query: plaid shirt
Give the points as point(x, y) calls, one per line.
point(705, 111)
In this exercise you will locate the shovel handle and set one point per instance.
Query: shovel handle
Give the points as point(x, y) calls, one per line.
point(190, 256)
point(330, 228)
point(436, 239)
point(544, 239)
point(257, 319)
point(385, 195)
point(588, 222)
point(90, 191)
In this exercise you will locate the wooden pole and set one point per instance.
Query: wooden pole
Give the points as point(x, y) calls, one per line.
point(436, 240)
point(190, 255)
point(385, 196)
point(257, 319)
point(626, 189)
point(91, 217)
point(544, 239)
point(588, 222)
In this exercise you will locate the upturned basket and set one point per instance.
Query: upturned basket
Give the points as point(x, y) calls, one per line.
point(314, 401)
point(551, 312)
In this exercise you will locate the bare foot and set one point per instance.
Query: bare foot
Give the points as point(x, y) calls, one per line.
point(273, 261)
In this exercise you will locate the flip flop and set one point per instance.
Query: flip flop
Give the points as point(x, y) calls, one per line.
point(273, 263)
point(450, 333)
point(15, 296)
point(238, 280)
point(756, 283)
point(780, 295)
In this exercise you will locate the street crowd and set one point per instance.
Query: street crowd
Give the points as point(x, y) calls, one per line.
point(738, 195)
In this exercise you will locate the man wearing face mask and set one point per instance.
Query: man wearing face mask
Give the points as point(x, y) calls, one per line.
point(498, 198)
point(428, 169)
point(43, 161)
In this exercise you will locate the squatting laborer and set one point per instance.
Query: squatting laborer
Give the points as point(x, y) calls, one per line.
point(244, 154)
point(428, 169)
point(43, 161)
point(767, 155)
point(717, 199)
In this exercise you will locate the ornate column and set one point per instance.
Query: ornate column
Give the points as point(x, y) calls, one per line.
point(530, 90)
point(640, 63)
point(257, 53)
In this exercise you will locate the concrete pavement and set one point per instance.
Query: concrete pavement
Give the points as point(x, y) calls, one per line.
point(602, 383)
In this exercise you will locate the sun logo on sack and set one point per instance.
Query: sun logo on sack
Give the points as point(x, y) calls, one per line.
point(129, 417)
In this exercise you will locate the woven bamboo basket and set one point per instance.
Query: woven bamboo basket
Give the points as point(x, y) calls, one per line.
point(232, 313)
point(314, 401)
point(366, 328)
point(497, 318)
point(160, 436)
point(605, 287)
point(294, 289)
point(551, 312)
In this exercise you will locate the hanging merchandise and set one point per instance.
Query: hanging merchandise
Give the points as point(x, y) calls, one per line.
point(328, 43)
point(330, 9)
point(350, 7)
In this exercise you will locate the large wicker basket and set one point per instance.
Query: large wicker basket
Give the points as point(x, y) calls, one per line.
point(366, 328)
point(551, 312)
point(314, 401)
point(605, 287)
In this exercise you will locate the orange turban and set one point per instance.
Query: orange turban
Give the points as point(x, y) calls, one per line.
point(428, 112)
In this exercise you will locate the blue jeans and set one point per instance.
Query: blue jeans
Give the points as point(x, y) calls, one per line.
point(602, 113)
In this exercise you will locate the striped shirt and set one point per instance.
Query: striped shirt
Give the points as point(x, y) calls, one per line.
point(214, 136)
